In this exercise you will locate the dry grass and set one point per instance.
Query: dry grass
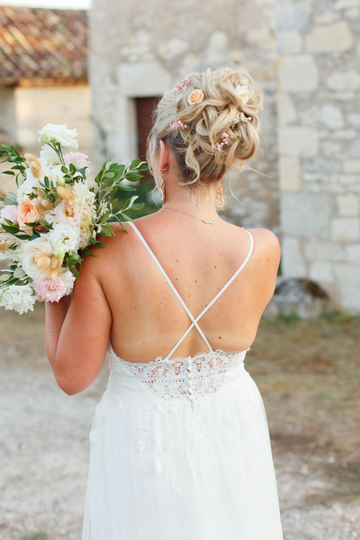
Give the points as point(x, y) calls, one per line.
point(309, 375)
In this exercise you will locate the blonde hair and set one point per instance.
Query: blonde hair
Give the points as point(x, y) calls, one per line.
point(200, 157)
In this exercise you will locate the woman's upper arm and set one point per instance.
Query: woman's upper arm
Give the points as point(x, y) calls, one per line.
point(267, 256)
point(85, 334)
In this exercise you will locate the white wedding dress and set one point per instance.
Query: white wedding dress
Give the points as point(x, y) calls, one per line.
point(180, 449)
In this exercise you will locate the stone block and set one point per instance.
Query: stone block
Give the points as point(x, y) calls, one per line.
point(216, 52)
point(353, 253)
point(352, 165)
point(293, 263)
point(355, 146)
point(322, 272)
point(332, 38)
point(354, 120)
point(331, 117)
point(263, 37)
point(298, 73)
point(346, 134)
point(289, 42)
point(327, 17)
point(318, 250)
point(289, 174)
point(172, 48)
point(345, 229)
point(293, 16)
point(143, 79)
point(298, 141)
point(331, 148)
point(348, 204)
point(306, 214)
point(285, 109)
point(345, 4)
point(344, 80)
point(348, 278)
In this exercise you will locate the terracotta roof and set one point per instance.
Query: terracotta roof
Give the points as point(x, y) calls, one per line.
point(48, 45)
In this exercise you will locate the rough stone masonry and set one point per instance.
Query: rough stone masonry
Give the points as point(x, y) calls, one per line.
point(305, 56)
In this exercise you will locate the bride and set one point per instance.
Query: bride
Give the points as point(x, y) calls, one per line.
point(180, 447)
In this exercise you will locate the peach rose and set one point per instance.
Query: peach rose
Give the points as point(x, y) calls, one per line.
point(27, 213)
point(196, 97)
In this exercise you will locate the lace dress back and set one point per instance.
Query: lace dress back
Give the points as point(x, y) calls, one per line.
point(180, 448)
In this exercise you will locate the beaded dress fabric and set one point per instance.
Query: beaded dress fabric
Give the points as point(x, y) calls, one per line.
point(180, 449)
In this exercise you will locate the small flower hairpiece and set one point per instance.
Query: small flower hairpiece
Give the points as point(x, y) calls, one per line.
point(242, 90)
point(223, 142)
point(180, 86)
point(196, 97)
point(240, 118)
point(178, 124)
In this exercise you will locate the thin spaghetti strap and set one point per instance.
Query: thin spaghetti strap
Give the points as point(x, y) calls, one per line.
point(194, 322)
point(234, 276)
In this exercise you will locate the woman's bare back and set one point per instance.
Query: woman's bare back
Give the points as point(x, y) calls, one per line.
point(199, 258)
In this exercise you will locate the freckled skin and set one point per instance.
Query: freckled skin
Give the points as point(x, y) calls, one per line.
point(123, 277)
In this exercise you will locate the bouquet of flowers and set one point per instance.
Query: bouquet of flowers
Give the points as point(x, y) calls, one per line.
point(55, 216)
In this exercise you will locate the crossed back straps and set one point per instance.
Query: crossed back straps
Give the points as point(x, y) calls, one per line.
point(194, 321)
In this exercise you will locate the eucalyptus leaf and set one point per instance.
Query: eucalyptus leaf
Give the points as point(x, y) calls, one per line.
point(19, 273)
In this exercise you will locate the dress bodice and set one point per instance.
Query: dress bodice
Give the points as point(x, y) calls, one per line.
point(177, 378)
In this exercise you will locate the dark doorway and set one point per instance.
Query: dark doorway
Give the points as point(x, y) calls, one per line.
point(144, 112)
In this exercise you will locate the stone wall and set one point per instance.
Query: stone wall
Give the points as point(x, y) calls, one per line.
point(305, 56)
point(38, 106)
point(144, 53)
point(27, 109)
point(319, 145)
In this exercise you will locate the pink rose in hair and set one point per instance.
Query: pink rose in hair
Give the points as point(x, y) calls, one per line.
point(196, 96)
point(9, 212)
point(49, 290)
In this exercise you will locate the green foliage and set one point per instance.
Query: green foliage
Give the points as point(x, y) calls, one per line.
point(12, 155)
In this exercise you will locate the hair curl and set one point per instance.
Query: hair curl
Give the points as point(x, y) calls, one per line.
point(196, 148)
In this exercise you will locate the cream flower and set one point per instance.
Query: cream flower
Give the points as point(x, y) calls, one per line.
point(68, 279)
point(28, 187)
point(66, 236)
point(61, 134)
point(242, 91)
point(9, 212)
point(78, 159)
point(37, 257)
point(48, 156)
point(19, 298)
point(67, 212)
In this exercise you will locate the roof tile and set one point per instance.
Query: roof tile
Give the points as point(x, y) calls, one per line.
point(38, 43)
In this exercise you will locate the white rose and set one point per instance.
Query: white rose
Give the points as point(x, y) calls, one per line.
point(35, 256)
point(48, 156)
point(78, 159)
point(58, 133)
point(51, 171)
point(66, 236)
point(7, 240)
point(27, 187)
point(19, 298)
point(68, 278)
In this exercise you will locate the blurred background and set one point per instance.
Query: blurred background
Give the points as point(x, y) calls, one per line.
point(101, 68)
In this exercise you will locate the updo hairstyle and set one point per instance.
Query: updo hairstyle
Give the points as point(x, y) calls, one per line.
point(196, 143)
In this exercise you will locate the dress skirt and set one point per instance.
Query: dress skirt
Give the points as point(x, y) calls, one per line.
point(181, 451)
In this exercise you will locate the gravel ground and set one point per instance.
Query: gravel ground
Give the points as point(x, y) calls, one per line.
point(44, 459)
